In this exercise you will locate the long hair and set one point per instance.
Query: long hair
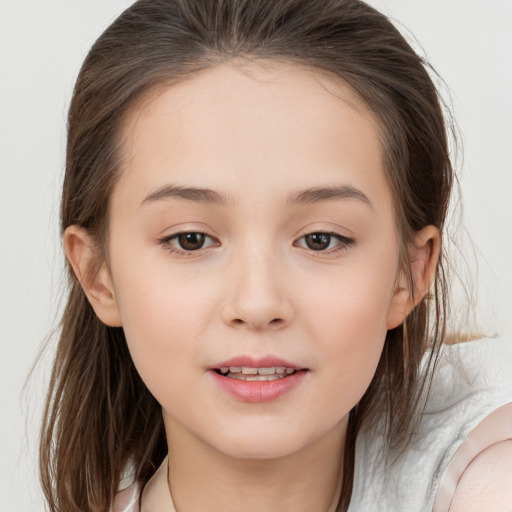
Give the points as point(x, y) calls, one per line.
point(99, 416)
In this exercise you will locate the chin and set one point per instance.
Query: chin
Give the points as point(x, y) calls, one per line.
point(261, 444)
point(260, 450)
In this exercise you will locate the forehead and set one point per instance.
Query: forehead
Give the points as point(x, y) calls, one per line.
point(241, 125)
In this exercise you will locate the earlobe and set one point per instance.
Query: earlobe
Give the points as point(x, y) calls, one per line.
point(94, 276)
point(423, 257)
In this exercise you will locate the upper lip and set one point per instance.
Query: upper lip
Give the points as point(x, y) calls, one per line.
point(256, 362)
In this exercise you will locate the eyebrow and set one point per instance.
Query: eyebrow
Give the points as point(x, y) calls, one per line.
point(321, 194)
point(304, 196)
point(200, 195)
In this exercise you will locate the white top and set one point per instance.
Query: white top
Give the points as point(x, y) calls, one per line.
point(464, 415)
point(469, 409)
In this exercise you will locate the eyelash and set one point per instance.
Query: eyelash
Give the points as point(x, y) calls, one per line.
point(343, 243)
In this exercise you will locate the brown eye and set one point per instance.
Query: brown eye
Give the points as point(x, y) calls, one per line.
point(187, 242)
point(191, 241)
point(317, 241)
point(324, 242)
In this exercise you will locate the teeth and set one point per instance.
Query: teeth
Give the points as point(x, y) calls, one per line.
point(250, 374)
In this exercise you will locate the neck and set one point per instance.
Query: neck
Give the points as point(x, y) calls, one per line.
point(203, 479)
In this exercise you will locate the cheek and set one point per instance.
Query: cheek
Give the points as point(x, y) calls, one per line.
point(162, 322)
point(349, 318)
point(351, 303)
point(353, 338)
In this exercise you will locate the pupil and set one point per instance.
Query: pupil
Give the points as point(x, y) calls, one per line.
point(191, 241)
point(318, 241)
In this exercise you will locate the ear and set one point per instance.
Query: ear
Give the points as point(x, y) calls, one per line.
point(94, 277)
point(423, 257)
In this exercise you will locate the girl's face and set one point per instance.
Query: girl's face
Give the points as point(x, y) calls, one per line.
point(253, 228)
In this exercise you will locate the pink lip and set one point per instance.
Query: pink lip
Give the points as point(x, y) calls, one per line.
point(258, 391)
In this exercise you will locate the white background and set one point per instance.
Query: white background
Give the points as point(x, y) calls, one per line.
point(42, 45)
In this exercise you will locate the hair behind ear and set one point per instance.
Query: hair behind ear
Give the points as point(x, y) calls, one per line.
point(105, 415)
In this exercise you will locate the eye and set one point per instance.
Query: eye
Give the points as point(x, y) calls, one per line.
point(188, 241)
point(324, 242)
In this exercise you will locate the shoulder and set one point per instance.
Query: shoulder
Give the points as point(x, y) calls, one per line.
point(469, 422)
point(478, 475)
point(485, 484)
point(467, 411)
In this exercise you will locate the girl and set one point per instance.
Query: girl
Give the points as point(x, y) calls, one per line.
point(253, 214)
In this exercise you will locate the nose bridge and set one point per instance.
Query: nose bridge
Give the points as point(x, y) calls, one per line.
point(257, 298)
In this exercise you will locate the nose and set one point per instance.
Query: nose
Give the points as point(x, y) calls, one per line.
point(257, 299)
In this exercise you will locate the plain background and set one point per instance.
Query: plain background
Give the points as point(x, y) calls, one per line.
point(42, 45)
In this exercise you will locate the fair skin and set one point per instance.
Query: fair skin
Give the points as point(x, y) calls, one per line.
point(485, 484)
point(296, 258)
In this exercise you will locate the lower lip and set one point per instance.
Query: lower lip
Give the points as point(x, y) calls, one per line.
point(259, 391)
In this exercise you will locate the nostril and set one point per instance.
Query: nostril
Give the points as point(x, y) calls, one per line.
point(276, 321)
point(238, 321)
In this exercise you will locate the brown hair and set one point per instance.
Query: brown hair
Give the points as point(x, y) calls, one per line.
point(99, 416)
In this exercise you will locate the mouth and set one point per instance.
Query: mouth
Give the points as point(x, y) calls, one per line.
point(257, 380)
point(253, 374)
